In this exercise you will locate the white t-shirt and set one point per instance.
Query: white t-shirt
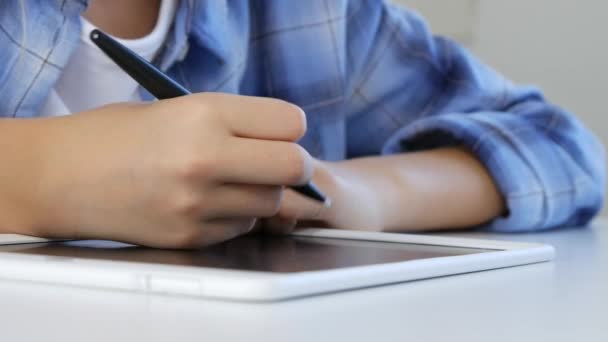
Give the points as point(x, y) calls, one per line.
point(91, 79)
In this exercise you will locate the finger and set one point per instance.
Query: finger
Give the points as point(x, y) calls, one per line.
point(216, 231)
point(227, 228)
point(260, 118)
point(243, 200)
point(258, 227)
point(298, 207)
point(278, 225)
point(208, 232)
point(251, 161)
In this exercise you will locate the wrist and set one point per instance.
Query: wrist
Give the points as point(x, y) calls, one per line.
point(355, 203)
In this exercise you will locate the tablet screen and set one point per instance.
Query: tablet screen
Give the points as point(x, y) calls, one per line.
point(283, 254)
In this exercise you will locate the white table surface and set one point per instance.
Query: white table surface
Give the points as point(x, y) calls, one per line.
point(565, 300)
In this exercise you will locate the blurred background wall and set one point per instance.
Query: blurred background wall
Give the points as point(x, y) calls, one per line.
point(559, 45)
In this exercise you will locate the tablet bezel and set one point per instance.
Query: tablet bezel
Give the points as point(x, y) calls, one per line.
point(268, 286)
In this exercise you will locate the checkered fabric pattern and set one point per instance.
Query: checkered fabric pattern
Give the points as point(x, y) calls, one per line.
point(371, 77)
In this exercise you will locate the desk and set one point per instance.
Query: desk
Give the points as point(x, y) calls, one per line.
point(566, 300)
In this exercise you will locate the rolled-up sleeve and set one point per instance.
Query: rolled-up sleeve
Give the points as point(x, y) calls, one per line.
point(547, 165)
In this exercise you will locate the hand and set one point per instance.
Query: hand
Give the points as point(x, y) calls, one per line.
point(353, 204)
point(178, 173)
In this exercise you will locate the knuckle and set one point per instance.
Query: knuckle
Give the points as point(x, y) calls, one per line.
point(196, 168)
point(186, 204)
point(201, 99)
point(195, 109)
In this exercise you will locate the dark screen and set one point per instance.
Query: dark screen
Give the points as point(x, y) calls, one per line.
point(252, 253)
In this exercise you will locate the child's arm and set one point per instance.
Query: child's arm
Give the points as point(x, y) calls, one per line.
point(20, 165)
point(411, 91)
point(138, 174)
point(437, 189)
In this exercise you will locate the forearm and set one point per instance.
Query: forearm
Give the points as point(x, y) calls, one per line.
point(436, 189)
point(20, 156)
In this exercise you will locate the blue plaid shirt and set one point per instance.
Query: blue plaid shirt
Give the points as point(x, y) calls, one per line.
point(371, 77)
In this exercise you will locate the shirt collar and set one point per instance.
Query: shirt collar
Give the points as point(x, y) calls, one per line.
point(176, 45)
point(204, 23)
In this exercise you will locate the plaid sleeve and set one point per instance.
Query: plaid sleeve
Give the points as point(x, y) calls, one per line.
point(414, 91)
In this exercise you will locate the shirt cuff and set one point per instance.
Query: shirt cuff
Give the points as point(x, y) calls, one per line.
point(518, 157)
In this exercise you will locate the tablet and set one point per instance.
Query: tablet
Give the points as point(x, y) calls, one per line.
point(263, 268)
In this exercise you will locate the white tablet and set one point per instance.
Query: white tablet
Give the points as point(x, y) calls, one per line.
point(263, 268)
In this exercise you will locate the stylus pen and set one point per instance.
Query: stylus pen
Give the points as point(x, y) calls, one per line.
point(163, 87)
